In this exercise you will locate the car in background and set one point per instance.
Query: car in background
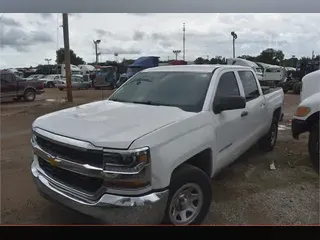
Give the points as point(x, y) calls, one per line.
point(51, 80)
point(35, 77)
point(77, 82)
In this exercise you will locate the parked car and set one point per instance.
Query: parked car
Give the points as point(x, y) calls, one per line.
point(34, 77)
point(51, 80)
point(14, 87)
point(77, 82)
point(146, 155)
point(306, 117)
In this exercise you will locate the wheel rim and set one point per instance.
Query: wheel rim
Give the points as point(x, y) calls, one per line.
point(186, 204)
point(29, 95)
point(273, 134)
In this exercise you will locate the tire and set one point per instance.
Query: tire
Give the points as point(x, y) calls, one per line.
point(295, 88)
point(29, 95)
point(268, 142)
point(313, 147)
point(50, 84)
point(285, 89)
point(185, 178)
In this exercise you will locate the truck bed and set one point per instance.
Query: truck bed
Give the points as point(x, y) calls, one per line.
point(268, 90)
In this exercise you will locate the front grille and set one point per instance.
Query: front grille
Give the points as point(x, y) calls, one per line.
point(91, 157)
point(74, 180)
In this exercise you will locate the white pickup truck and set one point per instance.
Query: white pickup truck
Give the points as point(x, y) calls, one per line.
point(146, 155)
point(306, 117)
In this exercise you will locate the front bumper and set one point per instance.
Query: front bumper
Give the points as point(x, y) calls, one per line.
point(113, 209)
point(298, 127)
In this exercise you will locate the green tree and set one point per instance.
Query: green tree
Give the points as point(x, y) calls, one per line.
point(271, 56)
point(75, 60)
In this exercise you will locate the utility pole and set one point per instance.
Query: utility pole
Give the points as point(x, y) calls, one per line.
point(176, 52)
point(184, 42)
point(67, 55)
point(96, 42)
point(234, 37)
point(48, 60)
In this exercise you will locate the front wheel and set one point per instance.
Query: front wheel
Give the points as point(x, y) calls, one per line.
point(268, 142)
point(313, 147)
point(190, 196)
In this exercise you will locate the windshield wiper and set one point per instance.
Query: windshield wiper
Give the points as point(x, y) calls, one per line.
point(116, 100)
point(147, 103)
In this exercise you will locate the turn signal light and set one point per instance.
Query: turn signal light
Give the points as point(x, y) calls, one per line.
point(302, 111)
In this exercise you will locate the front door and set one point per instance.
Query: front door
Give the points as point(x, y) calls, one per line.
point(229, 124)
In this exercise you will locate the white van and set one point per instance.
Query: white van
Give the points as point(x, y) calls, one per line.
point(247, 63)
point(306, 117)
point(74, 70)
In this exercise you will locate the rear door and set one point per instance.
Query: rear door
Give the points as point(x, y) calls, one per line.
point(255, 106)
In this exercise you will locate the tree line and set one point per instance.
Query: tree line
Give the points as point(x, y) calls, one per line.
point(269, 56)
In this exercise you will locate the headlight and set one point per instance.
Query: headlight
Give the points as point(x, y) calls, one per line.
point(302, 111)
point(127, 169)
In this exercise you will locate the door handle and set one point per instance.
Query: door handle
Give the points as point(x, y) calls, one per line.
point(244, 113)
point(263, 105)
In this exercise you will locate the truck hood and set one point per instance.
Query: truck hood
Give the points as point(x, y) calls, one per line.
point(109, 124)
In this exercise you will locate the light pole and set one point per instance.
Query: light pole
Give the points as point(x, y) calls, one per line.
point(96, 42)
point(48, 60)
point(184, 41)
point(234, 37)
point(176, 52)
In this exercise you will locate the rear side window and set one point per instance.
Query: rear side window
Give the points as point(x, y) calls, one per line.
point(227, 85)
point(249, 84)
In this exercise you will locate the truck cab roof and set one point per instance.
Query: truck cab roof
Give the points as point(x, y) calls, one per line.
point(205, 68)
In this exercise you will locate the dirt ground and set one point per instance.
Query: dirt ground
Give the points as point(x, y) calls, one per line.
point(247, 192)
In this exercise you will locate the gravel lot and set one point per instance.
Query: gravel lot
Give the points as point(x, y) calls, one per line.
point(247, 192)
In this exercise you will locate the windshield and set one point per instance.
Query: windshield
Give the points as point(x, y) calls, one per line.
point(185, 90)
point(107, 70)
point(76, 72)
point(51, 76)
point(258, 70)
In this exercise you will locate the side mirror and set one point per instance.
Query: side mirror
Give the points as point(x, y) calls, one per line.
point(228, 103)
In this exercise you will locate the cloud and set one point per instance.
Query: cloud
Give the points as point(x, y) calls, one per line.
point(138, 35)
point(21, 41)
point(119, 50)
point(102, 33)
point(46, 15)
point(9, 22)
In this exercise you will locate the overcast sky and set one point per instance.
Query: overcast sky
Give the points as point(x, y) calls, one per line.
point(27, 39)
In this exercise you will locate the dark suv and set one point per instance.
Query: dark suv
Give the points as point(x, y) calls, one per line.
point(14, 87)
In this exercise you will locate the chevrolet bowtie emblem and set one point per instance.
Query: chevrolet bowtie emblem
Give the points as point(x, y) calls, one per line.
point(52, 160)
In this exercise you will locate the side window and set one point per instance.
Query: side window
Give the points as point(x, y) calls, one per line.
point(6, 78)
point(227, 85)
point(249, 84)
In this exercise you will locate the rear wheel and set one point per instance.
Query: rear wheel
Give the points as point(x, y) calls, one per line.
point(190, 196)
point(313, 147)
point(29, 95)
point(50, 84)
point(268, 142)
point(296, 88)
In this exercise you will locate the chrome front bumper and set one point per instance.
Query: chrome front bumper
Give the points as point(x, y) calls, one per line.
point(113, 209)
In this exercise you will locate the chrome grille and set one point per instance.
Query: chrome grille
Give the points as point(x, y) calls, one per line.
point(81, 156)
